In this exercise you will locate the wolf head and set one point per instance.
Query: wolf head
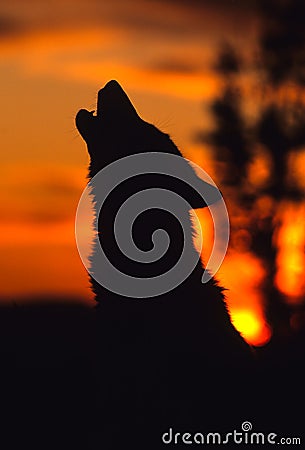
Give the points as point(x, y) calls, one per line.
point(117, 131)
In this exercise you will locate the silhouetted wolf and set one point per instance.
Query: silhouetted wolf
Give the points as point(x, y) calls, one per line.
point(169, 360)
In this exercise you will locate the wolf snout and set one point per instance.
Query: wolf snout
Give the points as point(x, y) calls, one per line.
point(112, 84)
point(112, 100)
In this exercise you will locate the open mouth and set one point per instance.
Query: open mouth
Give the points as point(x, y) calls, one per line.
point(113, 104)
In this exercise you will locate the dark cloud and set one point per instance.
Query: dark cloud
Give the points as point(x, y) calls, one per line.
point(221, 4)
point(147, 23)
point(175, 65)
point(60, 187)
point(9, 26)
point(49, 197)
point(164, 16)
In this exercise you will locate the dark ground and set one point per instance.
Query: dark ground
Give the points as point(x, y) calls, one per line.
point(50, 395)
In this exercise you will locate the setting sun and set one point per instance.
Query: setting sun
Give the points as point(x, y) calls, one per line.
point(251, 326)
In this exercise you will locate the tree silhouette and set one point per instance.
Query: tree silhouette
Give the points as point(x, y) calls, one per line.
point(282, 41)
point(277, 133)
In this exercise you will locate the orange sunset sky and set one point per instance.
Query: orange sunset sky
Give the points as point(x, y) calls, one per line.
point(54, 56)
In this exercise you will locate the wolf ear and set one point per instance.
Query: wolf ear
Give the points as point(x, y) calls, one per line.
point(199, 193)
point(195, 191)
point(204, 196)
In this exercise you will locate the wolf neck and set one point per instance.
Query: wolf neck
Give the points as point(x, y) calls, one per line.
point(141, 234)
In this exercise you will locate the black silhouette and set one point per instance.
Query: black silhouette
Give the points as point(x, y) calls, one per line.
point(163, 359)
